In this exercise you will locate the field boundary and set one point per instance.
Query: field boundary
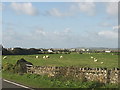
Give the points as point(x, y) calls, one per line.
point(102, 75)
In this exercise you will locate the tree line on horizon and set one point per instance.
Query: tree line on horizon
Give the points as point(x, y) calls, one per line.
point(23, 51)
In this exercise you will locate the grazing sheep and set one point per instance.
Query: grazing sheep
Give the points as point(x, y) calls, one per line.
point(5, 57)
point(91, 57)
point(44, 57)
point(36, 56)
point(101, 62)
point(61, 56)
point(47, 56)
point(95, 60)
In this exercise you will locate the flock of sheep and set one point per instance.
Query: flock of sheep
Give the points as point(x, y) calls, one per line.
point(47, 56)
point(44, 57)
point(95, 59)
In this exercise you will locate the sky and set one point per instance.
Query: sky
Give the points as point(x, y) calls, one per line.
point(59, 24)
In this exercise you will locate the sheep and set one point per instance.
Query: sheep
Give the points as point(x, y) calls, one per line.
point(91, 57)
point(61, 56)
point(47, 56)
point(95, 60)
point(44, 57)
point(101, 62)
point(5, 57)
point(36, 56)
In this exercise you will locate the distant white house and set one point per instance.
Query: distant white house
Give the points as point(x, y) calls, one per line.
point(50, 50)
point(87, 50)
point(107, 51)
point(12, 48)
point(41, 49)
point(72, 49)
point(83, 49)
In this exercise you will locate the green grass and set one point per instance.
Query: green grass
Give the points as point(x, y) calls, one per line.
point(37, 81)
point(80, 60)
point(27, 79)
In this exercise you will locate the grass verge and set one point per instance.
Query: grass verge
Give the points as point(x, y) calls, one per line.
point(37, 81)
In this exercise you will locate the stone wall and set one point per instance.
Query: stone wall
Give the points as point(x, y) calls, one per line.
point(102, 75)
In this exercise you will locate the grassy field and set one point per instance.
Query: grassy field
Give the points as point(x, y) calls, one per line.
point(74, 59)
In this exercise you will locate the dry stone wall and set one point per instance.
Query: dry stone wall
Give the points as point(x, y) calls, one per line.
point(102, 75)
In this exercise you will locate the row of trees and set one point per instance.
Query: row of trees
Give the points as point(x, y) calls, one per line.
point(19, 51)
point(22, 51)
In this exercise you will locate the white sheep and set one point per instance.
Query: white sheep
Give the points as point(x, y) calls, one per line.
point(44, 57)
point(47, 56)
point(36, 57)
point(91, 57)
point(61, 56)
point(5, 57)
point(101, 62)
point(95, 60)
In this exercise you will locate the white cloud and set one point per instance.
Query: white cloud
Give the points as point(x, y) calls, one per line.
point(116, 27)
point(40, 31)
point(24, 8)
point(67, 30)
point(55, 12)
point(58, 13)
point(108, 34)
point(87, 7)
point(39, 37)
point(112, 8)
point(105, 24)
point(65, 38)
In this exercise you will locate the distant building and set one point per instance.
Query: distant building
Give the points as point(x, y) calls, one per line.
point(50, 50)
point(41, 50)
point(107, 51)
point(72, 49)
point(10, 48)
point(87, 50)
point(83, 49)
